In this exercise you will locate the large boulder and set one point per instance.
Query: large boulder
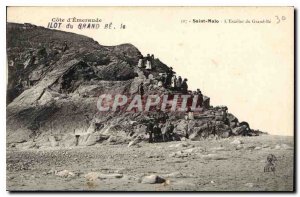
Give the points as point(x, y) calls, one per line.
point(239, 130)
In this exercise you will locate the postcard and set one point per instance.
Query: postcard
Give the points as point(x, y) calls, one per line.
point(150, 99)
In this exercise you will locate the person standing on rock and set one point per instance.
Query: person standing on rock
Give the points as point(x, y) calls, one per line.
point(184, 86)
point(164, 132)
point(179, 82)
point(148, 62)
point(152, 60)
point(224, 116)
point(189, 114)
point(169, 77)
point(160, 83)
point(200, 98)
point(188, 117)
point(157, 132)
point(65, 46)
point(164, 79)
point(211, 127)
point(140, 63)
point(148, 65)
point(150, 126)
point(174, 82)
point(141, 90)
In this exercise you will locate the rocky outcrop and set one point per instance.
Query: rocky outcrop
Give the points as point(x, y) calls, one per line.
point(55, 78)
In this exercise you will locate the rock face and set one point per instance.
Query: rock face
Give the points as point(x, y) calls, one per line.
point(55, 78)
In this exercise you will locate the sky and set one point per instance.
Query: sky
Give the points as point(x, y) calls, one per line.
point(248, 67)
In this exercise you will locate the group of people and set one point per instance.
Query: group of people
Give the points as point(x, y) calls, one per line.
point(200, 100)
point(146, 62)
point(200, 97)
point(158, 133)
point(169, 80)
point(159, 128)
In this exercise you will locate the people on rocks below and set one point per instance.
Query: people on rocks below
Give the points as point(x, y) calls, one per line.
point(159, 128)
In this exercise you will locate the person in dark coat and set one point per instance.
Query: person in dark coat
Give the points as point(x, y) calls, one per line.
point(152, 58)
point(169, 77)
point(141, 90)
point(157, 133)
point(200, 98)
point(184, 86)
point(65, 46)
point(150, 126)
point(148, 57)
point(164, 80)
